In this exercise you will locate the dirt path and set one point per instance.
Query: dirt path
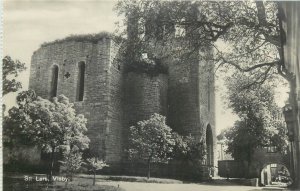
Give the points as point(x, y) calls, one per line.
point(136, 186)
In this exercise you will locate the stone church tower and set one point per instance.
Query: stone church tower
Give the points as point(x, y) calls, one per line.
point(87, 72)
point(92, 73)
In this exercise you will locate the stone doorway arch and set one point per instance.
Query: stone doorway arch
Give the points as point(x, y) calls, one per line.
point(209, 147)
point(275, 173)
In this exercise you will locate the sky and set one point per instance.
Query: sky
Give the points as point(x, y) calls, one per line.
point(29, 23)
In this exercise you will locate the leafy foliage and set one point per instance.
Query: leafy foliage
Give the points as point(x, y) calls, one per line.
point(188, 149)
point(45, 123)
point(221, 136)
point(71, 163)
point(93, 38)
point(260, 124)
point(51, 125)
point(245, 35)
point(95, 164)
point(151, 140)
point(11, 68)
point(151, 67)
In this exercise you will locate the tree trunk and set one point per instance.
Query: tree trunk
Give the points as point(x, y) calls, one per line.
point(249, 163)
point(149, 161)
point(52, 163)
point(94, 179)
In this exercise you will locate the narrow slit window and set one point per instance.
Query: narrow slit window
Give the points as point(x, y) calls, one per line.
point(80, 83)
point(208, 95)
point(54, 80)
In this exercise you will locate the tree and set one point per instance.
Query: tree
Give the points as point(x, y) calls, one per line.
point(11, 68)
point(249, 32)
point(259, 125)
point(95, 164)
point(221, 136)
point(186, 148)
point(188, 154)
point(151, 141)
point(72, 161)
point(244, 138)
point(51, 125)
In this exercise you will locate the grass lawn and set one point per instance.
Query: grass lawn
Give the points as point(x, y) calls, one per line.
point(131, 179)
point(78, 184)
point(83, 182)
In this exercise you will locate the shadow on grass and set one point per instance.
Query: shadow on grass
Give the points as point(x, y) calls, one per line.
point(131, 179)
point(225, 182)
point(78, 184)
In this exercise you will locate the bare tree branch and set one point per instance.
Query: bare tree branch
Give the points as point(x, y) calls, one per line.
point(263, 77)
point(237, 66)
point(261, 14)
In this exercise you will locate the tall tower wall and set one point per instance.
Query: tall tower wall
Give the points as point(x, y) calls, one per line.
point(191, 105)
point(191, 100)
point(90, 67)
point(145, 95)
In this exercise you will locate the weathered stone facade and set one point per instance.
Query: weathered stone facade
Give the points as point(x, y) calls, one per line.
point(114, 99)
point(101, 102)
point(290, 34)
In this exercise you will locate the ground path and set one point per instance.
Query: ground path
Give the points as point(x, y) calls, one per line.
point(139, 186)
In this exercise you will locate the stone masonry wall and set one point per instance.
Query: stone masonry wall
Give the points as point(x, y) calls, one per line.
point(114, 100)
point(191, 97)
point(183, 97)
point(144, 95)
point(96, 104)
point(114, 116)
point(207, 98)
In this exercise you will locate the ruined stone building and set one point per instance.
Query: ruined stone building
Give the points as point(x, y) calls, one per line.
point(93, 75)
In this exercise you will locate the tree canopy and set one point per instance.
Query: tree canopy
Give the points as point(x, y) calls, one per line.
point(51, 125)
point(11, 68)
point(186, 148)
point(71, 163)
point(260, 123)
point(244, 35)
point(151, 141)
point(95, 164)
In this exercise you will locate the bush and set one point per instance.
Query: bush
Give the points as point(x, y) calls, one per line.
point(93, 38)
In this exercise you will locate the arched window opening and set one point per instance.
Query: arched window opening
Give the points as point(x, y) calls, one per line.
point(54, 81)
point(80, 82)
